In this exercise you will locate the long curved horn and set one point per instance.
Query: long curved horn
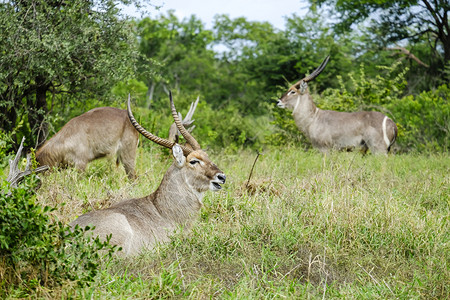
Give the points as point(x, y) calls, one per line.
point(150, 136)
point(189, 138)
point(314, 74)
point(317, 71)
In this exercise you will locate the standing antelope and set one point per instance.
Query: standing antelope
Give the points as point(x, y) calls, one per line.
point(97, 133)
point(140, 223)
point(327, 129)
point(100, 132)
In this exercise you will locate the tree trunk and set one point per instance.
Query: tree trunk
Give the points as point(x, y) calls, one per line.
point(446, 43)
point(37, 114)
point(8, 118)
point(8, 115)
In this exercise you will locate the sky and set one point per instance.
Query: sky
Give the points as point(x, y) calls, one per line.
point(272, 11)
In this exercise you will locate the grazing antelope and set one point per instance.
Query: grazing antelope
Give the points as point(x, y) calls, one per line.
point(100, 132)
point(140, 223)
point(327, 129)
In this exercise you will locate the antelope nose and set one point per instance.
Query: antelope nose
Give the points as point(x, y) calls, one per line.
point(222, 177)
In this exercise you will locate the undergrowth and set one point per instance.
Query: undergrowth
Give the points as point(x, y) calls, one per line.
point(306, 225)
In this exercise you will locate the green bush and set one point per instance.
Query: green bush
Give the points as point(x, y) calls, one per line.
point(226, 128)
point(38, 251)
point(424, 120)
point(366, 93)
point(5, 148)
point(217, 128)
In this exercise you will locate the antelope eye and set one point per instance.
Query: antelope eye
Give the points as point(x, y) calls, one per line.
point(194, 161)
point(291, 92)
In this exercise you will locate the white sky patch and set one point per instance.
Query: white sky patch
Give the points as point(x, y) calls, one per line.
point(272, 11)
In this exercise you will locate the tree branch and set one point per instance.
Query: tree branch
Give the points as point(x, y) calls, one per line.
point(15, 175)
point(408, 55)
point(433, 12)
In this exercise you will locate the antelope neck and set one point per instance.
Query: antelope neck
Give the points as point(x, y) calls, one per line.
point(296, 104)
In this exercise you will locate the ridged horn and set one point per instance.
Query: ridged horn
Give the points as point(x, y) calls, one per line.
point(317, 71)
point(150, 136)
point(189, 138)
point(314, 74)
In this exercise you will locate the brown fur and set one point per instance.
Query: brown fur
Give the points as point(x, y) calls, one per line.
point(141, 223)
point(100, 132)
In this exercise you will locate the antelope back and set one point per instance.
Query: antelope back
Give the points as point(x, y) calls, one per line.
point(102, 131)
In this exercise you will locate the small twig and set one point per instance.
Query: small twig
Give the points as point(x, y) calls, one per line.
point(181, 271)
point(370, 275)
point(284, 276)
point(251, 171)
point(325, 287)
point(388, 287)
point(287, 81)
point(350, 165)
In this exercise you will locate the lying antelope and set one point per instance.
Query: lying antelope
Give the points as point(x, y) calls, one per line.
point(100, 132)
point(327, 129)
point(140, 223)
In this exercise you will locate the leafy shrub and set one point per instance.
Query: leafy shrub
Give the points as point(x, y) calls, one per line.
point(366, 93)
point(424, 120)
point(5, 148)
point(216, 128)
point(226, 128)
point(36, 251)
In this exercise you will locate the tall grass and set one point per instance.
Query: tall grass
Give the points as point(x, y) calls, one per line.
point(306, 225)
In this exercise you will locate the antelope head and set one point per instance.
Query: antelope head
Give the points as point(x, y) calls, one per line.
point(292, 97)
point(194, 165)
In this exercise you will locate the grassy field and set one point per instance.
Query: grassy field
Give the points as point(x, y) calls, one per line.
point(305, 226)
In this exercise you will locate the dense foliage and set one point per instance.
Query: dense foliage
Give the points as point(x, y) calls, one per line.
point(420, 24)
point(53, 52)
point(237, 68)
point(425, 120)
point(36, 251)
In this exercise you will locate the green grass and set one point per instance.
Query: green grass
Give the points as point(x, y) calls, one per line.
point(306, 226)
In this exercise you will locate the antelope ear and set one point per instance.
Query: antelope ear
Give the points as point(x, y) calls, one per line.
point(178, 155)
point(302, 87)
